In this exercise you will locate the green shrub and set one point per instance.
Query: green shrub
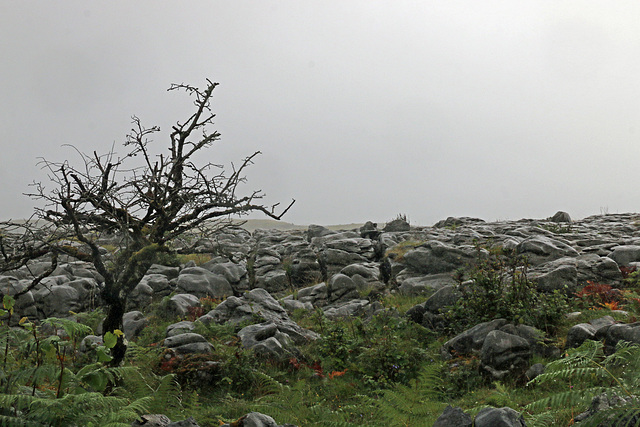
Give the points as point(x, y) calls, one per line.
point(385, 350)
point(499, 287)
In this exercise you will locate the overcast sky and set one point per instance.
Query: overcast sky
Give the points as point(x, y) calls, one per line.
point(363, 109)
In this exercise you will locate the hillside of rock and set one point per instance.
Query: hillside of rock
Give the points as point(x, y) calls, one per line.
point(261, 277)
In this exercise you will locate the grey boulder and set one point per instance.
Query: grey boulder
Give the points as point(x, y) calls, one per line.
point(188, 343)
point(436, 257)
point(470, 340)
point(541, 249)
point(203, 283)
point(180, 305)
point(133, 323)
point(499, 417)
point(505, 354)
point(453, 417)
point(625, 255)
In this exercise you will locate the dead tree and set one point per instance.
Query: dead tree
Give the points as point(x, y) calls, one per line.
point(148, 199)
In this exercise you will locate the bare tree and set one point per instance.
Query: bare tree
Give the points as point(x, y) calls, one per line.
point(149, 200)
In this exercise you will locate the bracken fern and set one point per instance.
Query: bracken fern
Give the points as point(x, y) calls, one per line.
point(587, 372)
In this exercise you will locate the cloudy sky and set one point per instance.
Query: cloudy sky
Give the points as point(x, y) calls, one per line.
point(363, 109)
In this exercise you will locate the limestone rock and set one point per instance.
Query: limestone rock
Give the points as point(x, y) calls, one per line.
point(396, 225)
point(203, 283)
point(561, 216)
point(625, 255)
point(540, 249)
point(159, 283)
point(188, 343)
point(499, 417)
point(504, 354)
point(180, 304)
point(453, 417)
point(133, 323)
point(471, 339)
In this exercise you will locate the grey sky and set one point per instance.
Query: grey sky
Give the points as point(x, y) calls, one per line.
point(362, 109)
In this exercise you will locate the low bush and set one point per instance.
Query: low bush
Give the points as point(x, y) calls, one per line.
point(498, 286)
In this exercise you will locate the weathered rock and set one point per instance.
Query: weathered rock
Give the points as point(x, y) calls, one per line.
point(90, 342)
point(234, 273)
point(504, 354)
point(349, 308)
point(499, 417)
point(189, 422)
point(291, 304)
point(159, 283)
point(596, 329)
point(88, 291)
point(428, 313)
point(625, 255)
point(316, 295)
point(396, 225)
point(140, 297)
point(25, 305)
point(304, 271)
point(423, 284)
point(559, 275)
point(561, 216)
point(318, 231)
point(258, 306)
point(368, 272)
point(453, 222)
point(267, 340)
point(273, 280)
point(203, 283)
point(470, 340)
point(453, 417)
point(179, 328)
point(578, 334)
point(188, 343)
point(77, 269)
point(599, 269)
point(152, 420)
point(179, 305)
point(445, 296)
point(256, 419)
point(133, 322)
point(540, 249)
point(342, 288)
point(57, 301)
point(436, 257)
point(607, 401)
point(621, 332)
point(534, 371)
point(369, 230)
point(168, 272)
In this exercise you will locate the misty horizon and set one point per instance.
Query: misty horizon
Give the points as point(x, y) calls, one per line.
point(496, 110)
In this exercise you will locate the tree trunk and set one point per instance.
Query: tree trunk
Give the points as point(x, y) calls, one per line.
point(113, 321)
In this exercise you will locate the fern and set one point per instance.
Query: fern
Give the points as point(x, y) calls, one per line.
point(73, 329)
point(543, 419)
point(588, 372)
point(264, 384)
point(302, 405)
point(415, 404)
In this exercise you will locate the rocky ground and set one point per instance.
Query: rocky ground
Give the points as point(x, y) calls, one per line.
point(263, 276)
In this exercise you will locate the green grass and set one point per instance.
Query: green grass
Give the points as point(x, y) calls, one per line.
point(381, 371)
point(199, 259)
point(402, 303)
point(398, 251)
